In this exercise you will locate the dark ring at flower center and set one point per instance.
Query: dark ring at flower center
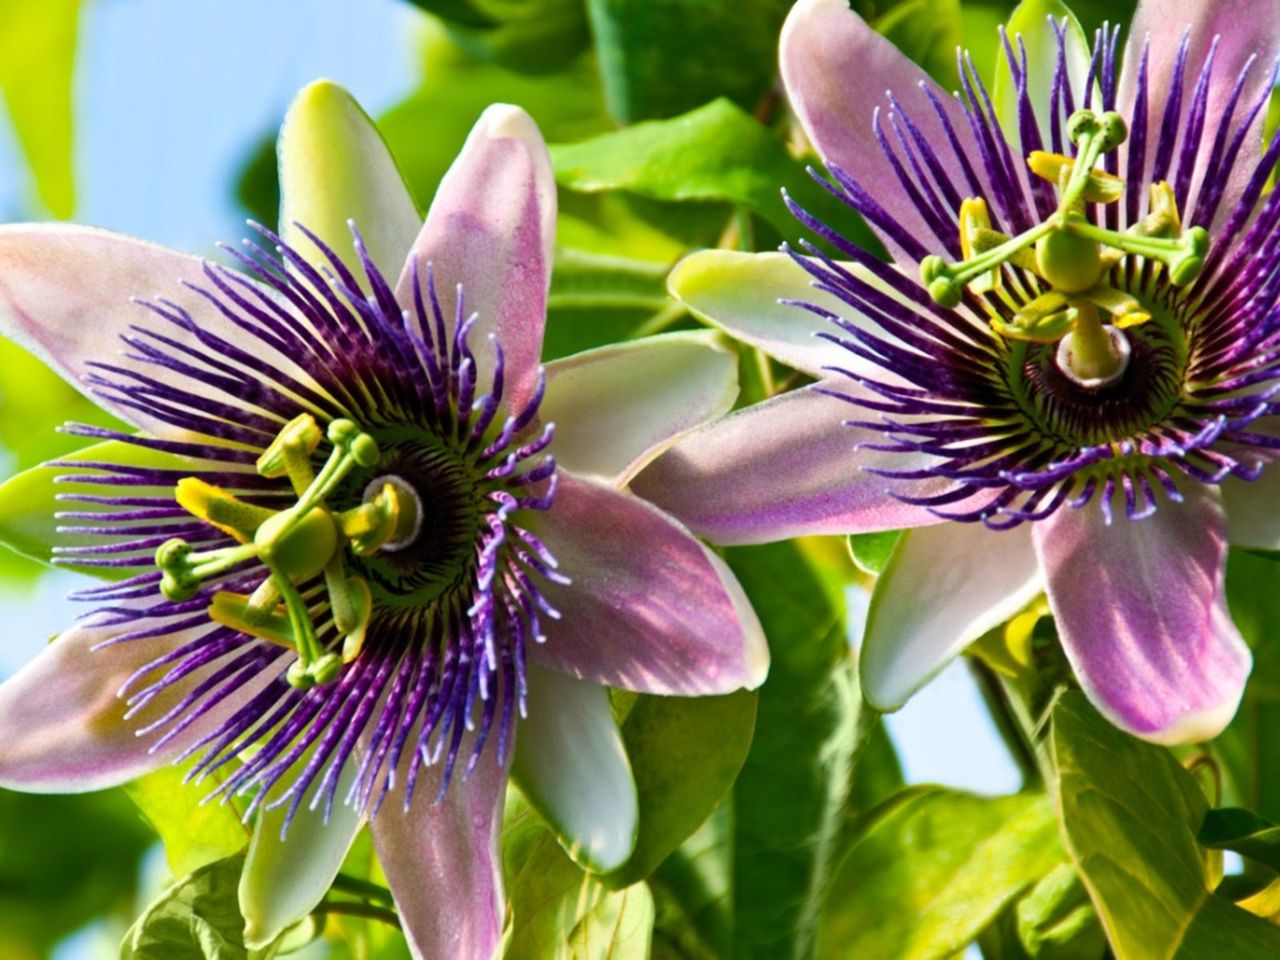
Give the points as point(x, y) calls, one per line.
point(442, 555)
point(1146, 393)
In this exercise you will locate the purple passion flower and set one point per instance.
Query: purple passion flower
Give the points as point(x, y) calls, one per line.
point(1063, 381)
point(345, 569)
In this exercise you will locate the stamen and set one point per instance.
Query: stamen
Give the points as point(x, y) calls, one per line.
point(295, 545)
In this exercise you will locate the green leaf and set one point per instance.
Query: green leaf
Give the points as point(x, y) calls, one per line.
point(194, 835)
point(63, 861)
point(198, 918)
point(557, 910)
point(37, 66)
point(662, 57)
point(593, 281)
point(1056, 920)
point(1247, 748)
point(531, 36)
point(934, 868)
point(927, 31)
point(789, 800)
point(870, 551)
point(29, 500)
point(714, 153)
point(1244, 832)
point(685, 755)
point(1130, 813)
point(692, 890)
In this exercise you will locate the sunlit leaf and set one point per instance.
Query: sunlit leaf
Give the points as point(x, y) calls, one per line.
point(717, 152)
point(533, 36)
point(790, 796)
point(932, 869)
point(37, 66)
point(194, 834)
point(1130, 813)
point(663, 57)
point(685, 754)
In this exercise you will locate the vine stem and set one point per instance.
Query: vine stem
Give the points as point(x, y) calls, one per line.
point(365, 911)
point(363, 888)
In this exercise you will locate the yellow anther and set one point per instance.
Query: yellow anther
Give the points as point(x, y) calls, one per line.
point(1100, 187)
point(220, 509)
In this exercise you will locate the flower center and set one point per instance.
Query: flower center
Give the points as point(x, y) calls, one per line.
point(297, 544)
point(1077, 306)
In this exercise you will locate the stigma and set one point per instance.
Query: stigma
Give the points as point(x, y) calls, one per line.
point(1076, 305)
point(296, 545)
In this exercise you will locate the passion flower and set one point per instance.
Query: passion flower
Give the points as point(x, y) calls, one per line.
point(1064, 380)
point(352, 570)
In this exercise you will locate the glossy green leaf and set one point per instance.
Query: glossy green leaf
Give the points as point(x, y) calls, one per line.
point(1056, 920)
point(927, 31)
point(592, 281)
point(789, 800)
point(194, 834)
point(1243, 831)
point(29, 500)
point(64, 860)
point(870, 551)
point(531, 36)
point(557, 910)
point(685, 755)
point(1130, 813)
point(37, 67)
point(659, 58)
point(198, 918)
point(932, 869)
point(717, 152)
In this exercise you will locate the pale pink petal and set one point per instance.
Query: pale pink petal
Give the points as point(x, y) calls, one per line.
point(1244, 28)
point(572, 766)
point(491, 229)
point(647, 608)
point(618, 407)
point(65, 294)
point(943, 588)
point(1143, 618)
point(442, 862)
point(784, 468)
point(64, 727)
point(836, 70)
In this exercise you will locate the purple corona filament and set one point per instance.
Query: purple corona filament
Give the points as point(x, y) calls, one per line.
point(1015, 433)
point(452, 610)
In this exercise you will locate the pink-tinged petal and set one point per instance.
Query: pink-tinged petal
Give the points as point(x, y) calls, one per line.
point(335, 167)
point(65, 294)
point(836, 70)
point(1143, 618)
point(573, 767)
point(618, 407)
point(491, 228)
point(943, 588)
point(785, 468)
point(442, 862)
point(647, 609)
point(286, 875)
point(1243, 28)
point(740, 294)
point(64, 725)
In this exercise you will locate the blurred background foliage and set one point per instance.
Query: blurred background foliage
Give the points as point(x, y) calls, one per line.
point(796, 834)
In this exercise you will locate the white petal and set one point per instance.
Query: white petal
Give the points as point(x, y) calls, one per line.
point(618, 407)
point(943, 588)
point(573, 767)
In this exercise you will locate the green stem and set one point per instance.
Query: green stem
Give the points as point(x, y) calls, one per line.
point(365, 911)
point(363, 888)
point(1008, 723)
